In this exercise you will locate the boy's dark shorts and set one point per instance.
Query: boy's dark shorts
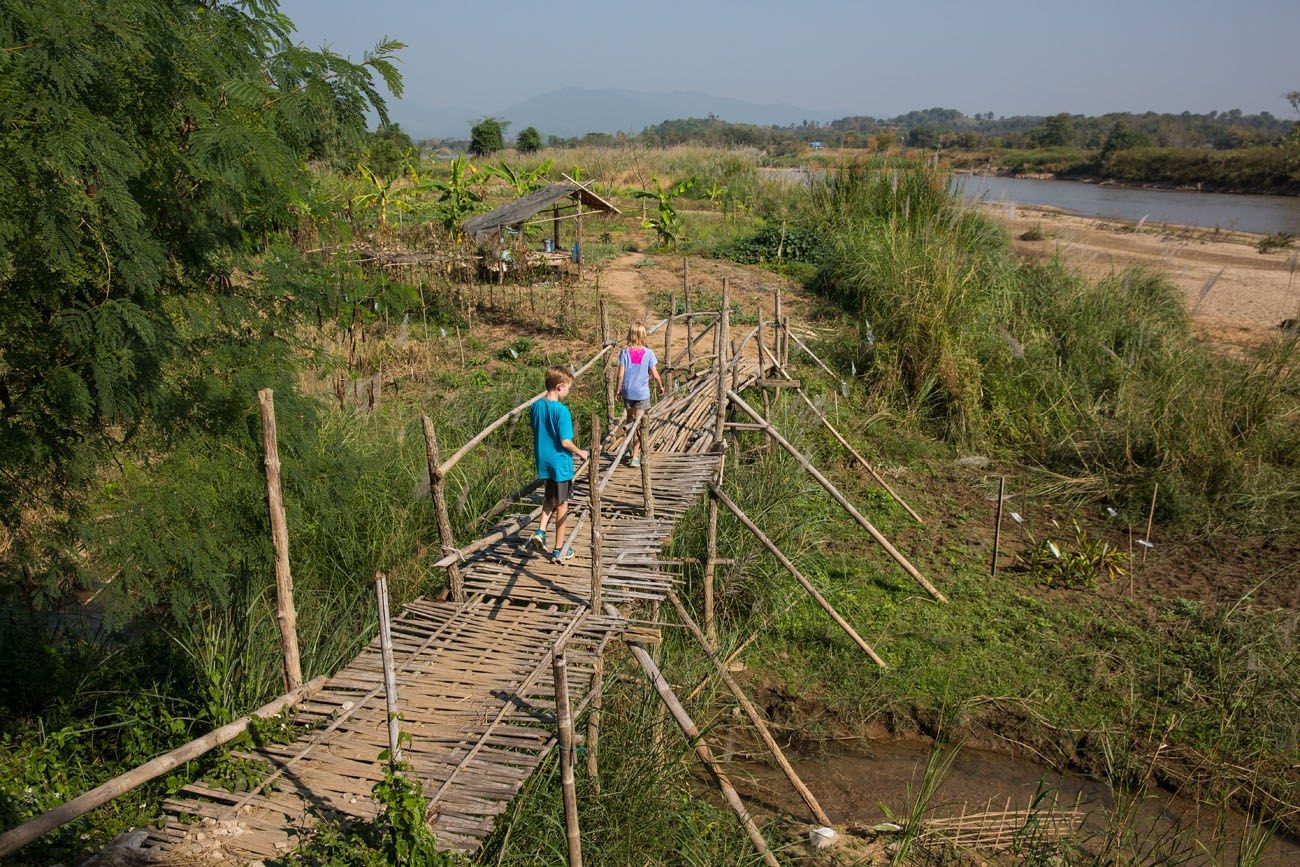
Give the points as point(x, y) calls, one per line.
point(558, 492)
point(636, 405)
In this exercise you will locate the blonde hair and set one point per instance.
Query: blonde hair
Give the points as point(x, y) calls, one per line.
point(636, 335)
point(556, 377)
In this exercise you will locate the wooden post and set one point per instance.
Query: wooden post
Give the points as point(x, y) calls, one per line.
point(607, 369)
point(555, 227)
point(750, 711)
point(1151, 516)
point(593, 484)
point(776, 329)
point(646, 492)
point(686, 292)
point(16, 838)
point(668, 343)
point(997, 526)
point(286, 614)
point(702, 751)
point(593, 723)
point(798, 576)
point(720, 344)
point(785, 341)
point(437, 490)
point(390, 674)
point(711, 560)
point(838, 497)
point(564, 722)
point(578, 221)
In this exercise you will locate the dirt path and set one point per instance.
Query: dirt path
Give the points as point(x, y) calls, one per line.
point(1249, 293)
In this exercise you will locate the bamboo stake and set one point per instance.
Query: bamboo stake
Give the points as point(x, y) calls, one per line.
point(668, 342)
point(390, 675)
point(686, 291)
point(839, 498)
point(813, 356)
point(752, 712)
point(1151, 516)
point(702, 751)
point(880, 480)
point(798, 576)
point(564, 720)
point(711, 560)
point(647, 492)
point(720, 345)
point(607, 370)
point(286, 614)
point(437, 490)
point(997, 526)
point(593, 484)
point(16, 838)
point(593, 723)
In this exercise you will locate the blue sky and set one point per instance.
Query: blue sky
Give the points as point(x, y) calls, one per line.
point(860, 58)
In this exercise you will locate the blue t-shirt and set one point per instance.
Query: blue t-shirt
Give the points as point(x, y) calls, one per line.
point(552, 425)
point(637, 362)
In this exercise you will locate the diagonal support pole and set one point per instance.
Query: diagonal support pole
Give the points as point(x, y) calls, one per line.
point(893, 552)
point(750, 711)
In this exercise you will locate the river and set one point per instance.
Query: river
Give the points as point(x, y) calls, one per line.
point(1266, 215)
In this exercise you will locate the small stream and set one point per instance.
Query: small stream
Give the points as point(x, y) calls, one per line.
point(853, 780)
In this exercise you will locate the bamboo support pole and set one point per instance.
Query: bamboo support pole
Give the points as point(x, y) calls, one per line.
point(437, 491)
point(647, 492)
point(711, 560)
point(720, 396)
point(865, 464)
point(702, 751)
point(594, 486)
point(460, 453)
point(668, 342)
point(686, 292)
point(785, 341)
point(593, 723)
point(813, 356)
point(607, 370)
point(997, 526)
point(798, 576)
point(390, 673)
point(838, 497)
point(16, 838)
point(750, 711)
point(564, 722)
point(286, 613)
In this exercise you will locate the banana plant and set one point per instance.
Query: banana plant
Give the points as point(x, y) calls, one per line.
point(716, 193)
point(524, 181)
point(668, 223)
point(456, 197)
point(381, 195)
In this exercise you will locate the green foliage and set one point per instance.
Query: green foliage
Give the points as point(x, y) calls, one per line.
point(529, 140)
point(487, 137)
point(389, 151)
point(1101, 381)
point(772, 243)
point(1077, 565)
point(1276, 241)
point(1120, 138)
point(668, 223)
point(522, 180)
point(147, 144)
point(398, 837)
point(456, 198)
point(1057, 131)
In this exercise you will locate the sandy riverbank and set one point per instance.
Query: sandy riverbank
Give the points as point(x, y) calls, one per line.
point(1250, 292)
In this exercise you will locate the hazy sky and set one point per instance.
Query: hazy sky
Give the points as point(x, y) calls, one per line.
point(859, 58)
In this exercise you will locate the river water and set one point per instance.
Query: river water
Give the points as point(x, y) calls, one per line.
point(1228, 211)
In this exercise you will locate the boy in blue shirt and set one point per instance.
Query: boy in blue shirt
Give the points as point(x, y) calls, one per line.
point(553, 449)
point(636, 365)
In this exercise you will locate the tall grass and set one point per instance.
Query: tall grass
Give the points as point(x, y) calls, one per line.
point(1099, 380)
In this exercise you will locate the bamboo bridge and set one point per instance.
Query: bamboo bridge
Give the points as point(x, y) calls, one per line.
point(485, 682)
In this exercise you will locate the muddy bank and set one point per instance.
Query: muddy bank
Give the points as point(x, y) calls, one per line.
point(861, 783)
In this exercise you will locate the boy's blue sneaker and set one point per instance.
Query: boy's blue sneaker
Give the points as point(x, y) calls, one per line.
point(538, 541)
point(560, 556)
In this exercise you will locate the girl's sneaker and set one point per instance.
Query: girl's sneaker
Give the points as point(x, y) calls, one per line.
point(560, 556)
point(538, 541)
point(635, 462)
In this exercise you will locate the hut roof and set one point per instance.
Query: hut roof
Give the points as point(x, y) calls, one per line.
point(518, 211)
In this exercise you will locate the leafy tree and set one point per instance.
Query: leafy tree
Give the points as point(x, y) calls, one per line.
point(487, 137)
point(456, 199)
point(922, 137)
point(529, 140)
point(1058, 131)
point(147, 144)
point(390, 150)
point(1121, 138)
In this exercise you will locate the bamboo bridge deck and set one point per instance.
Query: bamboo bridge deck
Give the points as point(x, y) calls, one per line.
point(474, 678)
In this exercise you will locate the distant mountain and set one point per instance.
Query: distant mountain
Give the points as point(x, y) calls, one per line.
point(573, 111)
